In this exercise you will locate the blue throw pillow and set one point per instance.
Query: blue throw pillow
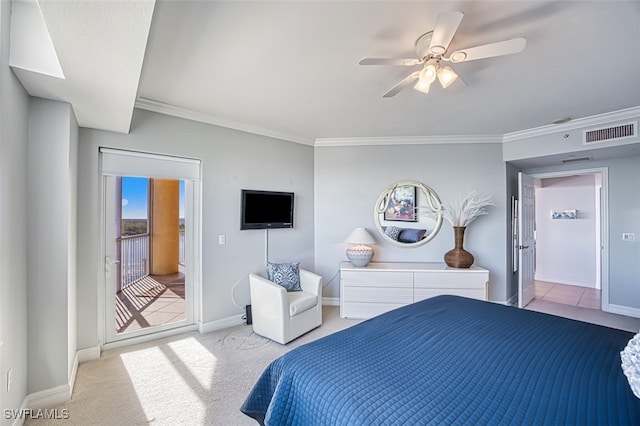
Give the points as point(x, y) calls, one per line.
point(285, 274)
point(411, 235)
point(393, 232)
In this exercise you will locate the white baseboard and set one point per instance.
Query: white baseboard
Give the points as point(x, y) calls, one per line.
point(48, 397)
point(60, 394)
point(331, 301)
point(559, 280)
point(88, 354)
point(206, 327)
point(72, 374)
point(623, 310)
point(82, 355)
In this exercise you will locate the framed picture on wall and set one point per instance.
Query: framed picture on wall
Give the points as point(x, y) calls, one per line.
point(564, 214)
point(402, 204)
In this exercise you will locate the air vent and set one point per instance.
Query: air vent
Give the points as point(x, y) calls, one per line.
point(606, 134)
point(576, 160)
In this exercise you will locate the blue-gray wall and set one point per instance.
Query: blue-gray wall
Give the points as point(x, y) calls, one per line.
point(623, 165)
point(231, 160)
point(51, 239)
point(349, 180)
point(14, 113)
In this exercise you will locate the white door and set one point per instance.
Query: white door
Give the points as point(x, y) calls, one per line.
point(526, 240)
point(147, 307)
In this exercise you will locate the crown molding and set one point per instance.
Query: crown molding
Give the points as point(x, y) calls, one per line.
point(175, 111)
point(592, 121)
point(408, 140)
point(579, 123)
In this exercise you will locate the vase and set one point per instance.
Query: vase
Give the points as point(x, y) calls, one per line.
point(458, 257)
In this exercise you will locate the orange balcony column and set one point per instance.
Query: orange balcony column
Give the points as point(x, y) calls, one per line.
point(164, 206)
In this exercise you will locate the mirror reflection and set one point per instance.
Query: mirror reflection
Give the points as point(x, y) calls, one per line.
point(408, 214)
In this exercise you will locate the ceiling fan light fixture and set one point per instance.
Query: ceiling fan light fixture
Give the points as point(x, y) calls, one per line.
point(446, 76)
point(422, 86)
point(429, 72)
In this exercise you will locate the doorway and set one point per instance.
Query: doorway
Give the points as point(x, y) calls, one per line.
point(571, 244)
point(150, 273)
point(150, 246)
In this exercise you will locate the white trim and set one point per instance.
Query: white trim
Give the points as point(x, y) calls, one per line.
point(140, 154)
point(330, 301)
point(119, 162)
point(193, 302)
point(549, 278)
point(48, 398)
point(60, 394)
point(168, 109)
point(88, 354)
point(19, 420)
point(624, 310)
point(209, 326)
point(72, 374)
point(408, 140)
point(148, 337)
point(594, 120)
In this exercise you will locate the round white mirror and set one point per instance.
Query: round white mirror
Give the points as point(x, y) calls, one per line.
point(408, 214)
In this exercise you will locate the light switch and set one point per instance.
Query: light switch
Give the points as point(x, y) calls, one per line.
point(628, 236)
point(222, 239)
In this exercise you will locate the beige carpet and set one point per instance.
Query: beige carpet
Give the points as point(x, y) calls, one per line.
point(190, 379)
point(202, 379)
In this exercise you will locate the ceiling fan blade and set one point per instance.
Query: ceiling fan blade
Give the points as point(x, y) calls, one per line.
point(507, 47)
point(446, 27)
point(389, 61)
point(402, 84)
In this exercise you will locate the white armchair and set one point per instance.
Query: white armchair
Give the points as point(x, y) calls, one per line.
point(283, 316)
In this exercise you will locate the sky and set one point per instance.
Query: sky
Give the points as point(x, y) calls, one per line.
point(135, 194)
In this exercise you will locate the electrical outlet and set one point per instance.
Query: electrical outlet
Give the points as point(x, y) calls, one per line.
point(222, 239)
point(628, 236)
point(9, 379)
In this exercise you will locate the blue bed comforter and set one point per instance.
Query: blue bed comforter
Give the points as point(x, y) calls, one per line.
point(452, 361)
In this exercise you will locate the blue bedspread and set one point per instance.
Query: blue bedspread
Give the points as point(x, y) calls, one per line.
point(452, 361)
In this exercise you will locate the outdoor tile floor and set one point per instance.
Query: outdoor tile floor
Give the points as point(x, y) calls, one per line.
point(150, 301)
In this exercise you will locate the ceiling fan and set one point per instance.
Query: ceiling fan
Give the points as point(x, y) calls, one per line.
point(431, 49)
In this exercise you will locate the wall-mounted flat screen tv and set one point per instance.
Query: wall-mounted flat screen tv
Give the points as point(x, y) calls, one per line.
point(266, 209)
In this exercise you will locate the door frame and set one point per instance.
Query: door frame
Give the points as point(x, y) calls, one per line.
point(194, 250)
point(603, 238)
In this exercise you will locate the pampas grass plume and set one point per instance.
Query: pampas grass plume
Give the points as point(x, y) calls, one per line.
point(464, 211)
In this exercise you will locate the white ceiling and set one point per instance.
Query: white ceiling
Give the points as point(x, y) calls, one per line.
point(290, 68)
point(99, 46)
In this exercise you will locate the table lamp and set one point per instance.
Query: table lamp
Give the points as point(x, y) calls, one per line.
point(360, 254)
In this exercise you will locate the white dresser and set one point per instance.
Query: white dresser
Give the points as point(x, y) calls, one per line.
point(379, 287)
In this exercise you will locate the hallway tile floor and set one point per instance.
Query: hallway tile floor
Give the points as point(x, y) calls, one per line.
point(568, 294)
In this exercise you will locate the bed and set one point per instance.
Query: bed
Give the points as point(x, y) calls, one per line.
point(450, 360)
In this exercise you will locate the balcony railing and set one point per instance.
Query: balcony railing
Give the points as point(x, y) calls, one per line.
point(134, 258)
point(181, 247)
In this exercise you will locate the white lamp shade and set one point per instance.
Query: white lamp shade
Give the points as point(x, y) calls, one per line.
point(446, 75)
point(360, 236)
point(429, 73)
point(422, 86)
